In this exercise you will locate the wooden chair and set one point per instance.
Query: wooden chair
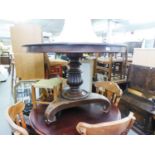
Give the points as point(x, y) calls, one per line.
point(112, 65)
point(109, 89)
point(50, 90)
point(54, 67)
point(16, 119)
point(120, 127)
point(105, 66)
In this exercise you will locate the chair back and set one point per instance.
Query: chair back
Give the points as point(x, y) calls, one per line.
point(54, 67)
point(16, 120)
point(119, 127)
point(109, 89)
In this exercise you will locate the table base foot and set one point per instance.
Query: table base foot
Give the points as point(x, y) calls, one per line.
point(61, 104)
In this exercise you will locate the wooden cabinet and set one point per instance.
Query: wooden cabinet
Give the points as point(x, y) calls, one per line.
point(28, 65)
point(139, 97)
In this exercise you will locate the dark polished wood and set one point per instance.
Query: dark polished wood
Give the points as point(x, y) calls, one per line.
point(142, 78)
point(74, 79)
point(74, 52)
point(68, 119)
point(139, 97)
point(61, 104)
point(75, 47)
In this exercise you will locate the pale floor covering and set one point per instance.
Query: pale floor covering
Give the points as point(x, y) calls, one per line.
point(6, 99)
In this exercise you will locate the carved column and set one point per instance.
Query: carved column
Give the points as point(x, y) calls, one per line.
point(74, 79)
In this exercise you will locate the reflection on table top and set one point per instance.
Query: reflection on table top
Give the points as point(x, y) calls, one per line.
point(68, 119)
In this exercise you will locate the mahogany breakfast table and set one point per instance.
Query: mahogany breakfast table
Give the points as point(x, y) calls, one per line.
point(73, 96)
point(74, 52)
point(67, 119)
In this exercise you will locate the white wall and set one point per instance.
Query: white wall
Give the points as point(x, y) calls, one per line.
point(144, 57)
point(87, 75)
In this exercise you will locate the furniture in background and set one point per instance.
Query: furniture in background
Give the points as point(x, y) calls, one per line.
point(13, 75)
point(74, 96)
point(15, 118)
point(148, 43)
point(144, 57)
point(32, 66)
point(105, 66)
point(118, 127)
point(54, 67)
point(67, 119)
point(109, 89)
point(49, 90)
point(133, 44)
point(113, 64)
point(130, 48)
point(5, 60)
point(22, 92)
point(139, 97)
point(28, 66)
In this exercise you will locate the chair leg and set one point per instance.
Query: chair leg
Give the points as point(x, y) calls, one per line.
point(55, 93)
point(34, 97)
point(12, 77)
point(17, 83)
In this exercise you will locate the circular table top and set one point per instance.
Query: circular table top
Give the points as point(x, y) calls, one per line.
point(68, 119)
point(75, 47)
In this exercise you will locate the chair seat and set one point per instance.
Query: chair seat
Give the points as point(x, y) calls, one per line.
point(48, 83)
point(50, 90)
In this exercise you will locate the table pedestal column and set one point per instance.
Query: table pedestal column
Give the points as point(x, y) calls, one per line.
point(74, 79)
